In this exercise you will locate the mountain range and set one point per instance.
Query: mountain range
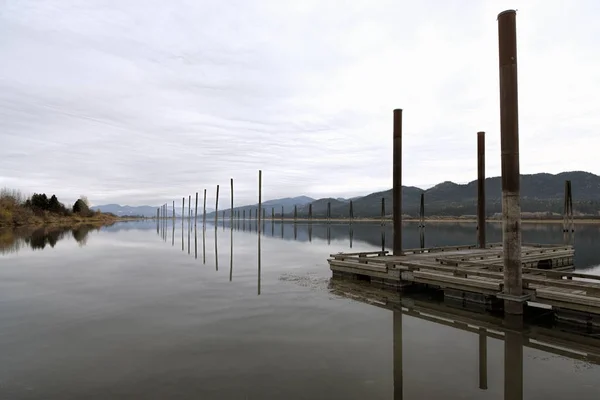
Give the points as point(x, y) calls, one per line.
point(540, 193)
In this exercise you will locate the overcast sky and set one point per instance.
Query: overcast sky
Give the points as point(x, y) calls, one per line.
point(145, 101)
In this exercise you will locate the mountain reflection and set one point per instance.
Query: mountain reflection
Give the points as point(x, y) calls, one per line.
point(13, 240)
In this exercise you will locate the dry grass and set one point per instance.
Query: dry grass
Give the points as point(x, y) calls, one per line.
point(13, 213)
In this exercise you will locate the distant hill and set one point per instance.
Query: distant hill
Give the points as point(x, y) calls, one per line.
point(540, 193)
point(141, 211)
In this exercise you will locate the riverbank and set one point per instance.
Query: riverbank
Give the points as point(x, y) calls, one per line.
point(17, 220)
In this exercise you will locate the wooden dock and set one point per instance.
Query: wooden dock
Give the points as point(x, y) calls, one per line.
point(474, 275)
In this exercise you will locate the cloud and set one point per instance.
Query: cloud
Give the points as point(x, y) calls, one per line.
point(142, 102)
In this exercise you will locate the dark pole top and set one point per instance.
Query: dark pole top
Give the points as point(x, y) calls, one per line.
point(398, 122)
point(507, 32)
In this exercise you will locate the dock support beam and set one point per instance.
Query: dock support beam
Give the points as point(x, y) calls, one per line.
point(481, 189)
point(509, 143)
point(397, 183)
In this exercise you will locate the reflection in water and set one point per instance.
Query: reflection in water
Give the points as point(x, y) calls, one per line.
point(195, 241)
point(482, 359)
point(564, 343)
point(231, 254)
point(189, 232)
point(397, 335)
point(351, 234)
point(12, 240)
point(259, 253)
point(182, 224)
point(203, 245)
point(173, 235)
point(216, 251)
point(443, 234)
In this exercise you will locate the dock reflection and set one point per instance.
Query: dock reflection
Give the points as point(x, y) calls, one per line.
point(515, 335)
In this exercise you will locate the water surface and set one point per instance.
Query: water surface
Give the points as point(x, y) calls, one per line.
point(137, 310)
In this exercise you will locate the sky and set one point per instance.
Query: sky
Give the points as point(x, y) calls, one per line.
point(146, 101)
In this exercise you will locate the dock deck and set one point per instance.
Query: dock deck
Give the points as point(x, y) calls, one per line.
point(471, 274)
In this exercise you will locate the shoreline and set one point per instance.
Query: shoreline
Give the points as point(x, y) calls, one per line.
point(65, 222)
point(587, 221)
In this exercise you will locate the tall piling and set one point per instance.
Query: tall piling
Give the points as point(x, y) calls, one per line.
point(328, 212)
point(295, 213)
point(422, 211)
point(281, 213)
point(259, 203)
point(196, 211)
point(231, 209)
point(310, 212)
point(189, 208)
point(217, 208)
point(182, 209)
point(397, 183)
point(157, 215)
point(204, 211)
point(481, 228)
point(272, 215)
point(173, 211)
point(509, 143)
point(383, 211)
point(351, 212)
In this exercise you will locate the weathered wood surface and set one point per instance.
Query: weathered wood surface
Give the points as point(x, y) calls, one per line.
point(470, 268)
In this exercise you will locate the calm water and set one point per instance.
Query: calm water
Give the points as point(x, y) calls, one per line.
point(136, 311)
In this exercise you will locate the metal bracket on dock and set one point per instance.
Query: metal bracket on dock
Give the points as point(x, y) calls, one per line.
point(518, 299)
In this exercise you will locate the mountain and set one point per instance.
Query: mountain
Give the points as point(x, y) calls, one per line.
point(141, 211)
point(540, 193)
point(117, 209)
point(271, 206)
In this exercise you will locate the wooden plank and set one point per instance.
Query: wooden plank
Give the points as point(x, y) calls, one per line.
point(588, 287)
point(568, 298)
point(362, 253)
point(445, 279)
point(352, 270)
point(358, 266)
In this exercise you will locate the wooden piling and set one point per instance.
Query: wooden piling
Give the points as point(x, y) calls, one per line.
point(217, 208)
point(158, 214)
point(568, 209)
point(189, 208)
point(231, 209)
point(196, 211)
point(281, 214)
point(173, 211)
point(422, 211)
point(383, 211)
point(328, 212)
point(259, 204)
point(397, 183)
point(204, 211)
point(295, 213)
point(481, 227)
point(351, 213)
point(310, 212)
point(511, 185)
point(272, 214)
point(182, 209)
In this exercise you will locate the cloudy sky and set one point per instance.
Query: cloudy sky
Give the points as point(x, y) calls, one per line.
point(145, 101)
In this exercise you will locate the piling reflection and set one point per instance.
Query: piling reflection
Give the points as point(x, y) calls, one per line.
point(259, 266)
point(216, 250)
point(231, 254)
point(566, 343)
